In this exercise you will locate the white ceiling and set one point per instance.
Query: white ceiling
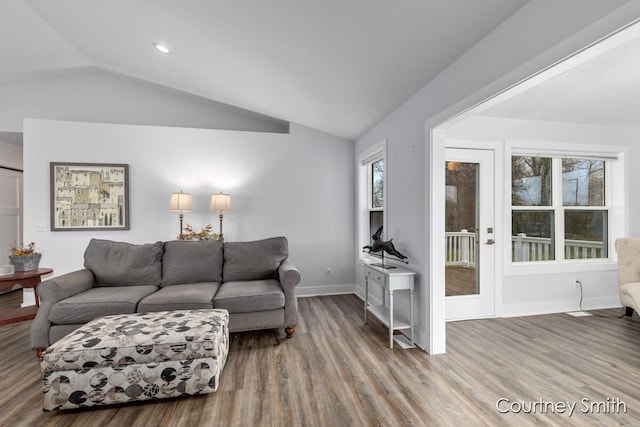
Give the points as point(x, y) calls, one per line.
point(605, 90)
point(335, 65)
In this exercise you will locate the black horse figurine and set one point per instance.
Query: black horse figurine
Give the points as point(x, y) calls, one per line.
point(379, 245)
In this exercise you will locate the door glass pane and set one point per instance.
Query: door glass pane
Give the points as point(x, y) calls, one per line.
point(532, 236)
point(461, 207)
point(585, 234)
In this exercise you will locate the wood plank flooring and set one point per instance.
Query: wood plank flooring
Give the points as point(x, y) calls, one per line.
point(336, 371)
point(460, 281)
point(11, 299)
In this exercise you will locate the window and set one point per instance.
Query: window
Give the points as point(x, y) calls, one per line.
point(375, 195)
point(559, 209)
point(372, 187)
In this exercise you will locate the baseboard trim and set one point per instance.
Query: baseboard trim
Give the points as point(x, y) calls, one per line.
point(551, 307)
point(314, 291)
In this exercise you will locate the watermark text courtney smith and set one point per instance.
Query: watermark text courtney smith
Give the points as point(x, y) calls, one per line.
point(610, 405)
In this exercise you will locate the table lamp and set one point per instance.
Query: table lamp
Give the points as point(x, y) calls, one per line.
point(180, 202)
point(222, 203)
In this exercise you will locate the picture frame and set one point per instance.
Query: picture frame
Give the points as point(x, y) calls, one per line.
point(89, 196)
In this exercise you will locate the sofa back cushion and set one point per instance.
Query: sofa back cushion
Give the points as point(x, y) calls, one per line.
point(122, 264)
point(256, 260)
point(191, 262)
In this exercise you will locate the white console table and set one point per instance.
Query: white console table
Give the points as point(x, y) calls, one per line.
point(391, 279)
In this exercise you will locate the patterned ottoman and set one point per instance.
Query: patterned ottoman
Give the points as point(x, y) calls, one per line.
point(132, 357)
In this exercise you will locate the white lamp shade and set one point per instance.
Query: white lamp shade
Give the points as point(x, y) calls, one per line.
point(180, 202)
point(220, 202)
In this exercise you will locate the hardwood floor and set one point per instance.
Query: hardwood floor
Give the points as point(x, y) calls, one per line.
point(336, 371)
point(460, 281)
point(11, 299)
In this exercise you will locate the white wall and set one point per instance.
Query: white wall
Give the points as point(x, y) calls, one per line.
point(528, 290)
point(536, 36)
point(299, 185)
point(94, 95)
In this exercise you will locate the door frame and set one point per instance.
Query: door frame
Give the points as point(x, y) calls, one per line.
point(482, 305)
point(436, 245)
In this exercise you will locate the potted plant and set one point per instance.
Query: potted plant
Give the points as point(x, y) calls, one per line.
point(190, 233)
point(25, 257)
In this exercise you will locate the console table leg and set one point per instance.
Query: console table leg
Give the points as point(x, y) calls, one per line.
point(366, 297)
point(411, 311)
point(391, 319)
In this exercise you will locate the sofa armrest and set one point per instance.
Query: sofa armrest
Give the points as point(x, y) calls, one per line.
point(288, 273)
point(51, 291)
point(64, 286)
point(289, 278)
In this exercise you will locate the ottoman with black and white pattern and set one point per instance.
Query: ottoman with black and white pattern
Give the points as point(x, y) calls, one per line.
point(134, 357)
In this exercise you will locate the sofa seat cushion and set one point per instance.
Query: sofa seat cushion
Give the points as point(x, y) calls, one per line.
point(631, 289)
point(97, 302)
point(630, 295)
point(257, 260)
point(192, 296)
point(191, 262)
point(249, 296)
point(124, 264)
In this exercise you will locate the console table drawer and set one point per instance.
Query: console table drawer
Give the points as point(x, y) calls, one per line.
point(375, 275)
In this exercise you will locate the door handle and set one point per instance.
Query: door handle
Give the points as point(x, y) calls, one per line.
point(490, 242)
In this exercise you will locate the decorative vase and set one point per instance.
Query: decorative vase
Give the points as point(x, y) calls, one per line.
point(25, 263)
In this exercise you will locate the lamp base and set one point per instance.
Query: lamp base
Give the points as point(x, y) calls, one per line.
point(221, 236)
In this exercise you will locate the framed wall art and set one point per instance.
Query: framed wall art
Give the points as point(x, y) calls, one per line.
point(89, 196)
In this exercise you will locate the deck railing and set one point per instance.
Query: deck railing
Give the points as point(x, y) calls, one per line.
point(527, 248)
point(582, 249)
point(461, 247)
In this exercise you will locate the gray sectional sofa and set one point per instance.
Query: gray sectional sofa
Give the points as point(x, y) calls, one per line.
point(255, 281)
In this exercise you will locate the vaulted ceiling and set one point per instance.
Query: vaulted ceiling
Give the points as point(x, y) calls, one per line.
point(603, 90)
point(335, 65)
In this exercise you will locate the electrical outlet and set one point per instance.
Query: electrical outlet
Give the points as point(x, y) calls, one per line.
point(576, 283)
point(328, 272)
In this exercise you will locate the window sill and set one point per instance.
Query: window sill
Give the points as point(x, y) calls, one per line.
point(535, 268)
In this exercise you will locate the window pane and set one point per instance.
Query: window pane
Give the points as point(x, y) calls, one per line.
point(375, 221)
point(530, 181)
point(582, 182)
point(377, 184)
point(532, 236)
point(585, 234)
point(461, 196)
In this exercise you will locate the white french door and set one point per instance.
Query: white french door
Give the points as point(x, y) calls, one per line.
point(469, 234)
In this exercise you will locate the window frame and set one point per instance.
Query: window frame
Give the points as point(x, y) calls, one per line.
point(370, 190)
point(616, 194)
point(365, 194)
point(558, 209)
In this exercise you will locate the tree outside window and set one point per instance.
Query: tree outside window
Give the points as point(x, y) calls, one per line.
point(376, 196)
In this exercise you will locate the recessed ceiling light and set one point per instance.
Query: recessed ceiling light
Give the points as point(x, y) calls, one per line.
point(161, 48)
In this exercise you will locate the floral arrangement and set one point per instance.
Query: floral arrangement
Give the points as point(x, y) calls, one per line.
point(191, 234)
point(24, 250)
